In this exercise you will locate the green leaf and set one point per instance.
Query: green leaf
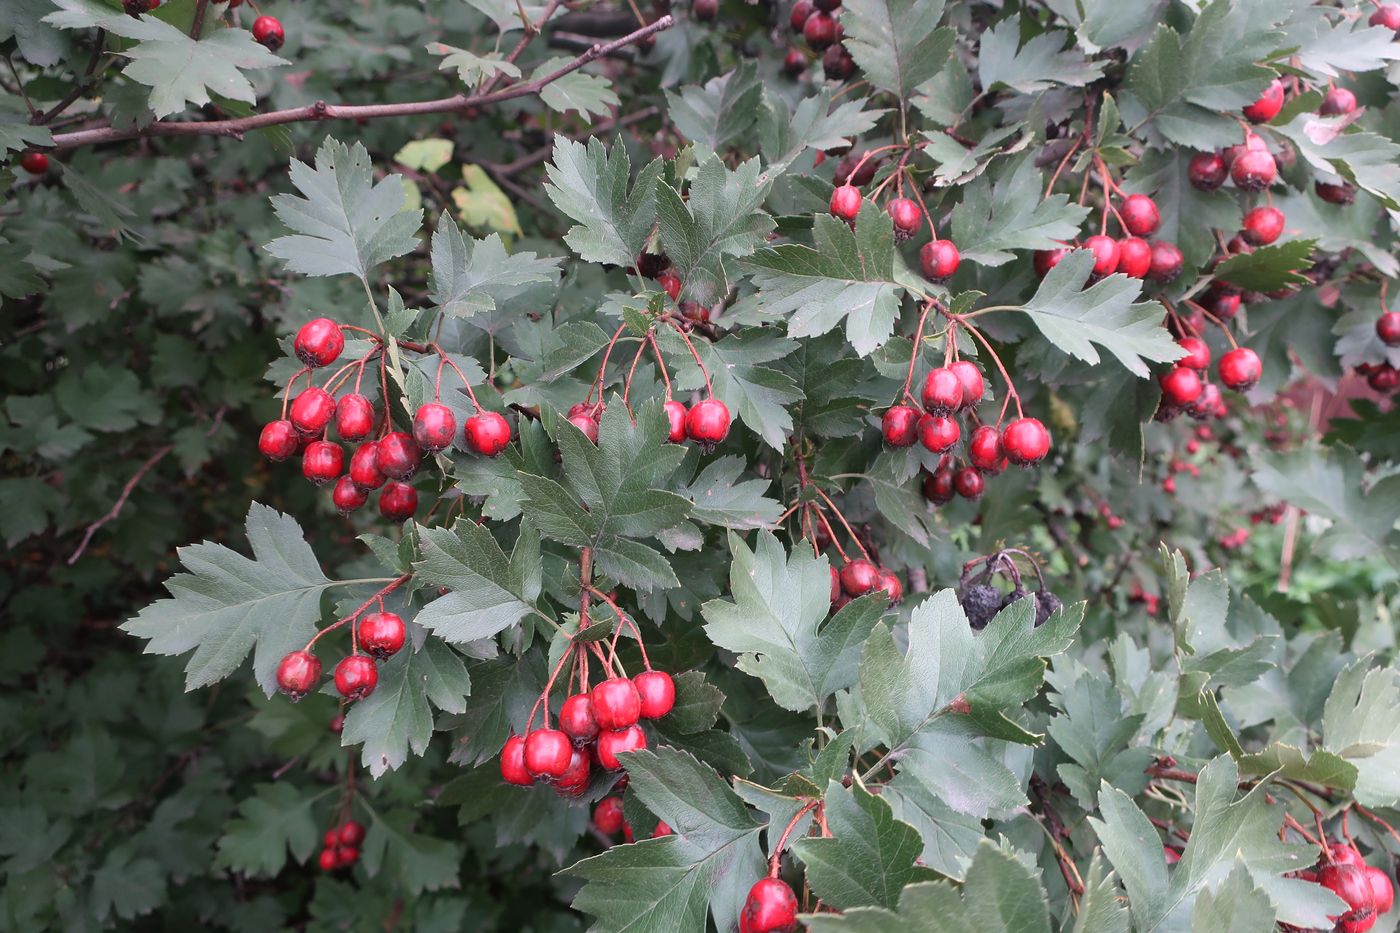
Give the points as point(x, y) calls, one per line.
point(471, 68)
point(418, 862)
point(722, 217)
point(18, 134)
point(1269, 267)
point(396, 717)
point(814, 124)
point(275, 820)
point(487, 591)
point(1075, 318)
point(1237, 906)
point(720, 497)
point(228, 604)
point(577, 90)
point(718, 114)
point(1038, 65)
point(1098, 736)
point(756, 395)
point(995, 218)
point(344, 222)
point(471, 276)
point(126, 885)
point(1367, 160)
point(506, 13)
point(868, 858)
point(1329, 483)
point(1361, 723)
point(775, 622)
point(897, 43)
point(503, 692)
point(590, 185)
point(1327, 48)
point(1099, 909)
point(482, 204)
point(99, 398)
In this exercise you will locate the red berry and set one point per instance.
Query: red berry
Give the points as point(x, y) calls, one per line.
point(356, 676)
point(616, 703)
point(1025, 441)
point(1387, 328)
point(382, 634)
point(1337, 102)
point(1344, 193)
point(587, 424)
point(1105, 250)
point(1254, 170)
point(794, 63)
point(312, 410)
point(1223, 301)
point(434, 425)
point(939, 259)
point(1262, 226)
point(346, 856)
point(1047, 259)
point(35, 163)
point(1352, 886)
point(319, 342)
point(398, 455)
point(859, 577)
point(351, 834)
point(513, 763)
point(577, 720)
point(771, 907)
point(1240, 369)
point(1384, 378)
point(942, 393)
point(328, 860)
point(888, 583)
point(671, 283)
point(322, 462)
point(1140, 215)
point(1268, 105)
point(695, 311)
point(1180, 386)
point(337, 724)
point(364, 467)
point(820, 30)
point(801, 10)
point(611, 744)
point(1166, 261)
point(836, 593)
point(845, 202)
point(268, 30)
point(398, 502)
point(675, 419)
point(704, 10)
point(968, 483)
point(607, 816)
point(1343, 854)
point(657, 691)
point(938, 486)
point(354, 417)
point(1382, 889)
point(1197, 354)
point(1134, 257)
point(899, 425)
point(1386, 15)
point(487, 433)
point(970, 378)
point(663, 828)
point(1207, 171)
point(837, 63)
point(347, 497)
point(278, 440)
point(939, 433)
point(984, 450)
point(547, 754)
point(574, 781)
point(297, 673)
point(708, 422)
point(906, 217)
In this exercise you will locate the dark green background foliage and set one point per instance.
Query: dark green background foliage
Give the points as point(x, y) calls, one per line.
point(150, 288)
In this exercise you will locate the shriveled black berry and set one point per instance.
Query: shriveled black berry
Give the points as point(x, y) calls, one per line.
point(1014, 595)
point(1046, 603)
point(980, 601)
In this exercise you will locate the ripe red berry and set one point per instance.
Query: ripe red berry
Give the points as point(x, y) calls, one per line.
point(1337, 102)
point(1240, 369)
point(616, 703)
point(1105, 250)
point(319, 342)
point(836, 593)
point(356, 676)
point(1343, 194)
point(312, 410)
point(297, 673)
point(1382, 889)
point(801, 10)
point(364, 467)
point(1268, 105)
point(1262, 226)
point(771, 907)
point(887, 582)
point(984, 450)
point(1388, 16)
point(328, 860)
point(671, 283)
point(354, 417)
point(1254, 170)
point(657, 691)
point(820, 30)
point(938, 486)
point(845, 202)
point(1207, 171)
point(1350, 884)
point(574, 781)
point(487, 433)
point(322, 462)
point(398, 502)
point(968, 483)
point(1387, 328)
point(268, 30)
point(939, 259)
point(576, 719)
point(398, 455)
point(1223, 301)
point(347, 497)
point(794, 63)
point(434, 426)
point(607, 816)
point(1166, 261)
point(859, 577)
point(1047, 259)
point(837, 63)
point(939, 433)
point(382, 634)
point(1025, 441)
point(942, 393)
point(1140, 215)
point(899, 425)
point(513, 763)
point(1180, 386)
point(35, 163)
point(547, 754)
point(704, 10)
point(1384, 378)
point(675, 419)
point(970, 378)
point(278, 440)
point(1134, 257)
point(611, 744)
point(1197, 353)
point(708, 423)
point(351, 834)
point(906, 217)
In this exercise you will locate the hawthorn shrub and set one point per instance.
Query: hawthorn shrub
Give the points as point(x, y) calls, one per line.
point(848, 465)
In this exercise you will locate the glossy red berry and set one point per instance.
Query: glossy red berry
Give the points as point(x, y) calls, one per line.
point(35, 163)
point(487, 433)
point(356, 676)
point(513, 763)
point(1047, 259)
point(1166, 261)
point(670, 283)
point(382, 634)
point(322, 461)
point(984, 450)
point(794, 63)
point(939, 259)
point(586, 423)
point(547, 754)
point(297, 673)
point(859, 577)
point(837, 63)
point(364, 467)
point(1207, 171)
point(1223, 301)
point(939, 433)
point(1343, 194)
point(607, 816)
point(576, 719)
point(942, 392)
point(1262, 226)
point(1240, 369)
point(434, 426)
point(312, 410)
point(708, 422)
point(328, 860)
point(770, 907)
point(675, 421)
point(278, 440)
point(574, 781)
point(1382, 889)
point(887, 582)
point(1387, 329)
point(354, 417)
point(1197, 353)
point(968, 483)
point(1386, 15)
point(1105, 250)
point(1337, 102)
point(1134, 257)
point(820, 30)
point(938, 486)
point(611, 744)
point(1180, 386)
point(1140, 215)
point(398, 501)
point(845, 202)
point(616, 703)
point(1025, 441)
point(974, 386)
point(899, 425)
point(399, 455)
point(351, 834)
point(801, 10)
point(1384, 378)
point(268, 31)
point(1268, 105)
point(1254, 170)
point(657, 691)
point(319, 342)
point(836, 593)
point(1350, 884)
point(906, 217)
point(347, 497)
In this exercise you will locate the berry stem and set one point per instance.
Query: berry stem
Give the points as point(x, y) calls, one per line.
point(287, 393)
point(443, 358)
point(603, 367)
point(624, 617)
point(914, 353)
point(660, 363)
point(1218, 323)
point(1011, 393)
point(842, 519)
point(1377, 820)
point(709, 388)
point(377, 596)
point(775, 860)
point(632, 371)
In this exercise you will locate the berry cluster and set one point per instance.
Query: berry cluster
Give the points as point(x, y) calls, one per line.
point(1130, 254)
point(379, 635)
point(1367, 891)
point(1184, 388)
point(938, 258)
point(981, 600)
point(341, 846)
point(1384, 377)
point(819, 23)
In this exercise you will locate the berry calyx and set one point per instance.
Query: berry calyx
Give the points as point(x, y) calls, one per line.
point(1105, 250)
point(616, 703)
point(297, 674)
point(1262, 226)
point(1207, 171)
point(354, 417)
point(318, 342)
point(607, 816)
point(939, 259)
point(35, 163)
point(942, 392)
point(312, 410)
point(974, 386)
point(1387, 329)
point(708, 423)
point(1240, 369)
point(322, 462)
point(984, 450)
point(939, 433)
point(657, 692)
point(938, 486)
point(1025, 441)
point(1166, 261)
point(899, 425)
point(398, 502)
point(576, 719)
point(268, 31)
point(382, 634)
point(968, 483)
point(1180, 386)
point(1268, 105)
point(547, 754)
point(1140, 215)
point(1197, 353)
point(611, 744)
point(347, 497)
point(770, 907)
point(364, 467)
point(859, 577)
point(434, 425)
point(675, 420)
point(845, 202)
point(279, 440)
point(513, 763)
point(1254, 170)
point(819, 30)
point(399, 455)
point(356, 677)
point(487, 433)
point(905, 216)
point(1337, 102)
point(1134, 257)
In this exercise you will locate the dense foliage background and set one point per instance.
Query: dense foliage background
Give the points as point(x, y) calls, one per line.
point(1167, 752)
